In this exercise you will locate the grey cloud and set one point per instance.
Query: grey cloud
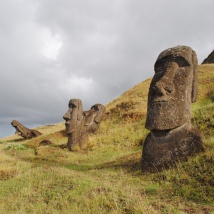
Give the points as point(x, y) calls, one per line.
point(100, 49)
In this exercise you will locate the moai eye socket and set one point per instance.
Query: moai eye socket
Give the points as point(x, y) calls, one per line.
point(168, 90)
point(95, 108)
point(71, 105)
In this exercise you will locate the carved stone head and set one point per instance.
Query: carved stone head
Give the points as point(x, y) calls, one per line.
point(173, 89)
point(93, 117)
point(73, 115)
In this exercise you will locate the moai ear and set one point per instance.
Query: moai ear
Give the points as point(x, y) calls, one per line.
point(195, 77)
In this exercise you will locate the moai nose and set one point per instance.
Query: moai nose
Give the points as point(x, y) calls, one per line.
point(160, 89)
point(67, 115)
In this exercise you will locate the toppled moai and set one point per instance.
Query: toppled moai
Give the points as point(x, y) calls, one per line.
point(172, 90)
point(74, 124)
point(24, 131)
point(93, 117)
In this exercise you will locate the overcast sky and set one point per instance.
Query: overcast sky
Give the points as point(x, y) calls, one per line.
point(94, 50)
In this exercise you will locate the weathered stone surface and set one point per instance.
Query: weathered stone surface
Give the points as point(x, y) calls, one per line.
point(24, 131)
point(74, 124)
point(209, 59)
point(93, 117)
point(172, 90)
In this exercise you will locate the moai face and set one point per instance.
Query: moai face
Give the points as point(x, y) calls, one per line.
point(96, 114)
point(73, 115)
point(99, 112)
point(93, 117)
point(172, 89)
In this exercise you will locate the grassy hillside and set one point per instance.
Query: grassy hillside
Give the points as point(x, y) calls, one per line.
point(106, 178)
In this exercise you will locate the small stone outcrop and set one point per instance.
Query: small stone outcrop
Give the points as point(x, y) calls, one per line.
point(209, 59)
point(45, 143)
point(172, 90)
point(24, 131)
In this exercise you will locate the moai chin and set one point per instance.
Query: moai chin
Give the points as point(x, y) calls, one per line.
point(93, 117)
point(74, 124)
point(172, 90)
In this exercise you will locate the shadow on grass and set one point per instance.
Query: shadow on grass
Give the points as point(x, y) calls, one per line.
point(129, 163)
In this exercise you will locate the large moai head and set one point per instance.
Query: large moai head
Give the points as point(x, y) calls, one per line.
point(73, 115)
point(93, 117)
point(173, 89)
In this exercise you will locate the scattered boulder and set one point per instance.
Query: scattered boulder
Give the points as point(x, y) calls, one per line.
point(45, 143)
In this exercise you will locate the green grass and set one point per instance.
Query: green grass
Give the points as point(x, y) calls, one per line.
point(106, 177)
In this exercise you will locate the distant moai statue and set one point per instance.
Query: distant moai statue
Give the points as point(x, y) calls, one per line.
point(74, 124)
point(24, 131)
point(93, 117)
point(172, 90)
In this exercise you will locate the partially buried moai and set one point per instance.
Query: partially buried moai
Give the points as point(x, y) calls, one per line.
point(93, 117)
point(74, 124)
point(172, 90)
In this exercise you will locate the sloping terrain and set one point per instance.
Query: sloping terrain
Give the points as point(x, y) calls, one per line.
point(106, 177)
point(209, 59)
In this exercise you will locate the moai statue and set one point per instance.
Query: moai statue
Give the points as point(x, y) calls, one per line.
point(93, 117)
point(24, 131)
point(74, 124)
point(172, 90)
